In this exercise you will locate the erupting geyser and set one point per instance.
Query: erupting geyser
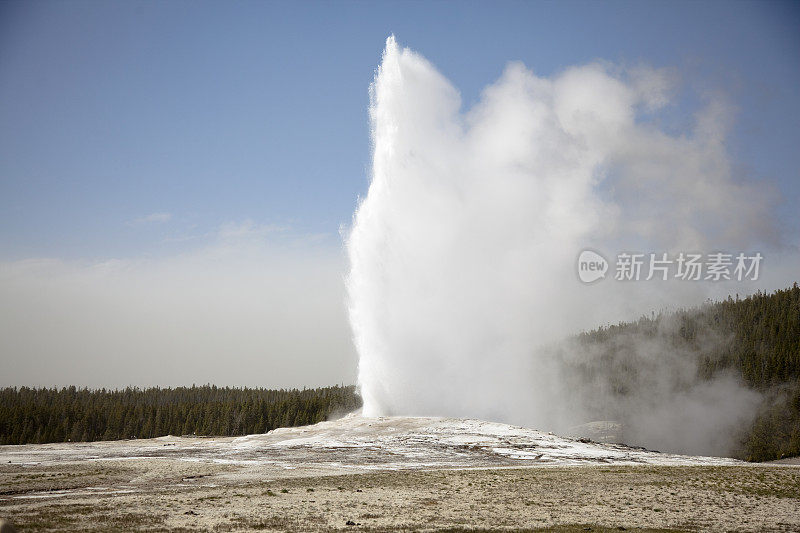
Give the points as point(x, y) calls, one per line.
point(463, 252)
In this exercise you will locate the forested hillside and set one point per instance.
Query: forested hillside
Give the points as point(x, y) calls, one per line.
point(30, 415)
point(756, 338)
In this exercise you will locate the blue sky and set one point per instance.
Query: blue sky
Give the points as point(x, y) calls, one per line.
point(219, 112)
point(174, 175)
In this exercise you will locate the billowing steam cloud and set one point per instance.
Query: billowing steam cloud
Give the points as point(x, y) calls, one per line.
point(463, 252)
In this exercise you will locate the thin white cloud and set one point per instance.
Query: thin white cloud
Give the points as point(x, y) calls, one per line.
point(248, 229)
point(152, 218)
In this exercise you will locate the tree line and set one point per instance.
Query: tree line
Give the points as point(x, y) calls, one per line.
point(40, 415)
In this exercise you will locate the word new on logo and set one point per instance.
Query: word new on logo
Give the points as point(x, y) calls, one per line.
point(591, 266)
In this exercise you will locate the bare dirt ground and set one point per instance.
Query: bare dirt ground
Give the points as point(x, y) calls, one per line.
point(395, 475)
point(158, 495)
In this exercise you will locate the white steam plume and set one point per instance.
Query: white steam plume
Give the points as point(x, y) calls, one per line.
point(463, 252)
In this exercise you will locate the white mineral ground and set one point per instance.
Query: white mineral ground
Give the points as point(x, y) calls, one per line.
point(416, 473)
